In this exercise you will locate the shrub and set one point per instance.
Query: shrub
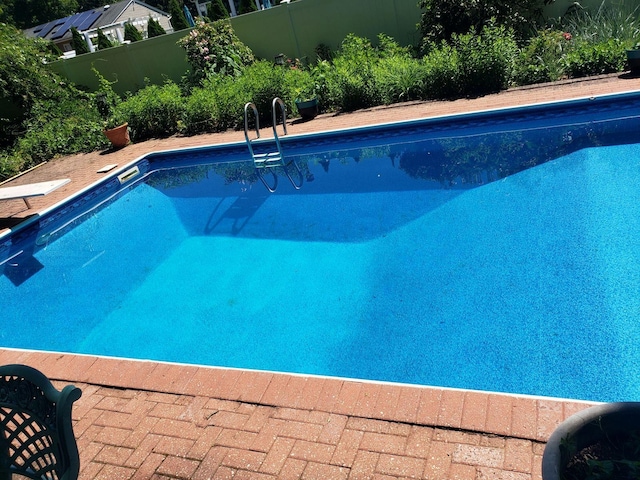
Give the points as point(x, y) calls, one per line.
point(596, 58)
point(486, 61)
point(214, 48)
point(154, 29)
point(217, 10)
point(350, 80)
point(103, 41)
point(178, 20)
point(542, 59)
point(155, 111)
point(441, 19)
point(131, 33)
point(399, 79)
point(442, 72)
point(78, 42)
point(59, 127)
point(247, 6)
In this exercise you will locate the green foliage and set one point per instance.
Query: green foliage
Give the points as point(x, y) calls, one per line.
point(78, 42)
point(217, 10)
point(595, 58)
point(59, 127)
point(214, 48)
point(154, 29)
point(155, 111)
point(103, 41)
point(247, 6)
point(178, 20)
point(441, 19)
point(29, 13)
point(486, 61)
point(23, 78)
point(442, 67)
point(609, 21)
point(541, 60)
point(131, 33)
point(350, 82)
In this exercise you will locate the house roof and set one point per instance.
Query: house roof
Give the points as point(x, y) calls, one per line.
point(97, 17)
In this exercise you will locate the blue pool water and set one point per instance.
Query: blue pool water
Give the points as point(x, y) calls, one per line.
point(467, 255)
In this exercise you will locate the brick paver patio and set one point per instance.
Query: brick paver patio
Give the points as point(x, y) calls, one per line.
point(151, 420)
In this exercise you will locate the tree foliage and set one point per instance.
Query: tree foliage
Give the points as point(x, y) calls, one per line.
point(441, 19)
point(214, 48)
point(78, 42)
point(103, 41)
point(178, 20)
point(154, 28)
point(217, 10)
point(29, 13)
point(131, 33)
point(247, 6)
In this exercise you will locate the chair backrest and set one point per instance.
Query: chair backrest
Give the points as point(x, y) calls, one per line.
point(36, 433)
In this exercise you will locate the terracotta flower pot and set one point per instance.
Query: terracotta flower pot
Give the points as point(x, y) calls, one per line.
point(119, 136)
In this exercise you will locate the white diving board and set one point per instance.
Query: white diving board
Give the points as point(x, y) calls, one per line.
point(31, 190)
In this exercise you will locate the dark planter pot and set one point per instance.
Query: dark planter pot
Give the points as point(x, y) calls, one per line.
point(119, 136)
point(307, 109)
point(633, 59)
point(586, 428)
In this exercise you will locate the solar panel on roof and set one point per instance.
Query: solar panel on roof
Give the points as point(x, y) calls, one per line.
point(64, 27)
point(89, 20)
point(46, 28)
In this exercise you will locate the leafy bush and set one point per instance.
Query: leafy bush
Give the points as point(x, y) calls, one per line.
point(486, 61)
point(154, 29)
point(103, 41)
point(214, 48)
point(442, 72)
point(595, 58)
point(217, 10)
point(442, 19)
point(131, 33)
point(155, 111)
point(78, 42)
point(609, 21)
point(400, 78)
point(350, 82)
point(542, 59)
point(178, 20)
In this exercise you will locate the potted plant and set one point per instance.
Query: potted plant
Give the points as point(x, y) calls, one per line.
point(597, 443)
point(116, 129)
point(307, 102)
point(633, 59)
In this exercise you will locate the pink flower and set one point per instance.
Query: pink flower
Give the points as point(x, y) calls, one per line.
point(567, 36)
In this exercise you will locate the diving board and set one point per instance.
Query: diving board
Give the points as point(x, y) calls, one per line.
point(31, 190)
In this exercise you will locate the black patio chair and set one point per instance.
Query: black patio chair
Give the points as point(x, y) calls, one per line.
point(36, 433)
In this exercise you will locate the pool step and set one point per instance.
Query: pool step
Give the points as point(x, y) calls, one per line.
point(272, 160)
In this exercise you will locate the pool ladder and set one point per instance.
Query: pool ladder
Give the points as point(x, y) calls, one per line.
point(270, 161)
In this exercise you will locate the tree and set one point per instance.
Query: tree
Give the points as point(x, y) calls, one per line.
point(247, 6)
point(131, 33)
point(441, 19)
point(217, 10)
point(78, 42)
point(103, 41)
point(154, 28)
point(29, 13)
point(178, 20)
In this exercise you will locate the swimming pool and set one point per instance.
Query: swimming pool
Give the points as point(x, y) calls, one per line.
point(495, 251)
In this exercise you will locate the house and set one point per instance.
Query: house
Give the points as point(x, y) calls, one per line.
point(110, 19)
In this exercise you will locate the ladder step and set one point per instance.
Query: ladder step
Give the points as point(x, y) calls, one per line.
point(266, 160)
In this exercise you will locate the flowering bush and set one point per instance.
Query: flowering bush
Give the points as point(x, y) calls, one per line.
point(213, 48)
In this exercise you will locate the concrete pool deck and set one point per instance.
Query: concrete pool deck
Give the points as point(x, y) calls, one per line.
point(150, 420)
